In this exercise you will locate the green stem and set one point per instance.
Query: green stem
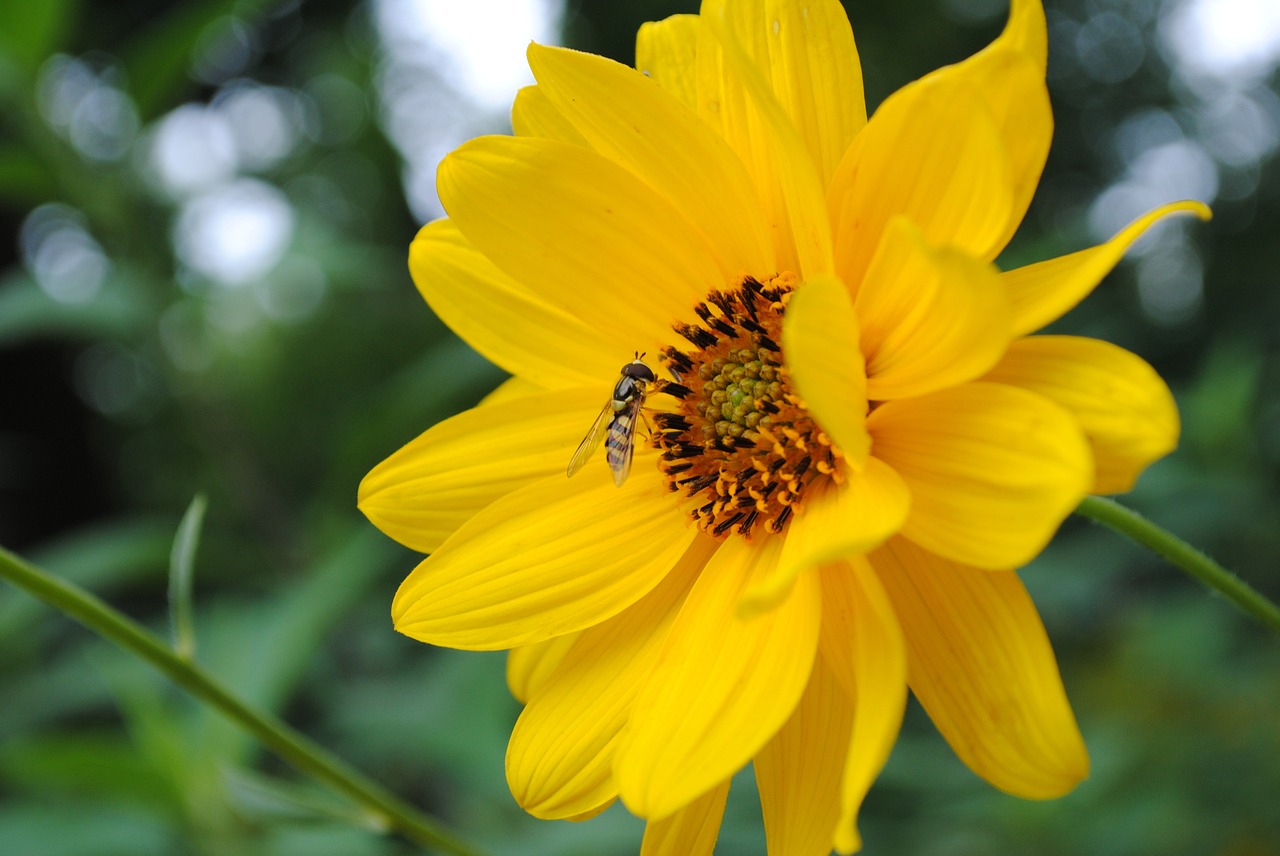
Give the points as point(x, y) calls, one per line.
point(1182, 554)
point(389, 811)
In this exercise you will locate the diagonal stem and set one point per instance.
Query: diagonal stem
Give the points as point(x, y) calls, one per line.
point(1188, 558)
point(387, 811)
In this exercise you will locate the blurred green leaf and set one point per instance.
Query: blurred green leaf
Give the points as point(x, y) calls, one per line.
point(118, 309)
point(161, 726)
point(446, 379)
point(158, 58)
point(267, 799)
point(464, 697)
point(1218, 409)
point(62, 765)
point(181, 571)
point(265, 648)
point(83, 828)
point(328, 840)
point(100, 558)
point(30, 31)
point(41, 695)
point(614, 833)
point(25, 180)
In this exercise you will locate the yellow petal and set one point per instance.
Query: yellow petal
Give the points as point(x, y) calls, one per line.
point(427, 489)
point(735, 96)
point(555, 556)
point(509, 390)
point(533, 115)
point(862, 645)
point(595, 812)
point(501, 318)
point(932, 153)
point(722, 687)
point(633, 121)
point(981, 665)
point(1044, 291)
point(992, 469)
point(798, 772)
point(931, 318)
point(1026, 32)
point(841, 520)
point(691, 831)
point(1125, 409)
point(529, 666)
point(1019, 100)
point(820, 341)
point(582, 233)
point(1009, 73)
point(559, 760)
point(667, 51)
point(806, 53)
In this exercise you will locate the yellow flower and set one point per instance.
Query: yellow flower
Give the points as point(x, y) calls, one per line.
point(852, 440)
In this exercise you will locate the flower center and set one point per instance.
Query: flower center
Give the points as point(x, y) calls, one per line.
point(741, 444)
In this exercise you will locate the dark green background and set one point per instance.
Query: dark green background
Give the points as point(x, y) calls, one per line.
point(105, 437)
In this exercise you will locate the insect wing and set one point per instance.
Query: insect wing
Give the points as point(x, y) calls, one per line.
point(621, 442)
point(591, 442)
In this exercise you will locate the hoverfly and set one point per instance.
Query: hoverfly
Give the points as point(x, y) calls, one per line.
point(621, 414)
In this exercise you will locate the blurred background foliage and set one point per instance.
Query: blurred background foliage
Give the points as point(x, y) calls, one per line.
point(209, 205)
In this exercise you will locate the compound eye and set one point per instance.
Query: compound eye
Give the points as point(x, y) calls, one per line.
point(624, 388)
point(640, 371)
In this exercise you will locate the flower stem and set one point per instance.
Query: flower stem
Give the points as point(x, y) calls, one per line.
point(387, 811)
point(1182, 554)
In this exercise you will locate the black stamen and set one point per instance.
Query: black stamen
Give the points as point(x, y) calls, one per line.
point(671, 421)
point(723, 326)
point(699, 483)
point(696, 335)
point(724, 525)
point(722, 300)
point(678, 359)
point(677, 468)
point(781, 518)
point(802, 465)
point(745, 528)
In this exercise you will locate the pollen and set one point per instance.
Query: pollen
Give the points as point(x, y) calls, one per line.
point(740, 447)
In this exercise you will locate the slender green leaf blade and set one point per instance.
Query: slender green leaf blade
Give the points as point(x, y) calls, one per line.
point(181, 572)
